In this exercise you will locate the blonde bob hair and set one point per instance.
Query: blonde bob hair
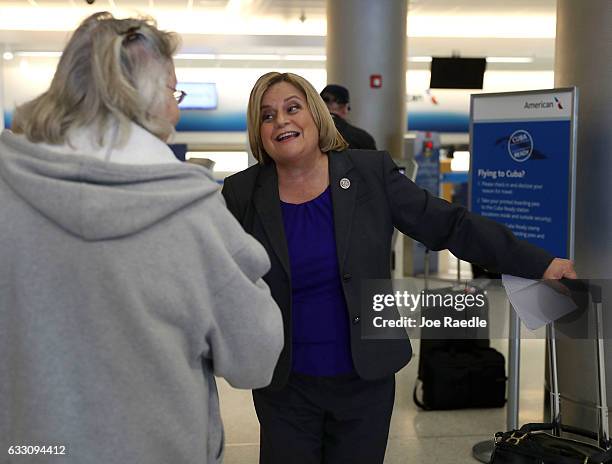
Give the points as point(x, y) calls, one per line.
point(329, 138)
point(110, 69)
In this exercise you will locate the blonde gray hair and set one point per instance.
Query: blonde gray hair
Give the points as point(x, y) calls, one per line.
point(329, 138)
point(110, 69)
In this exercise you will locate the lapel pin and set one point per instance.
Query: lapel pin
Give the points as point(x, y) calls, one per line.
point(345, 183)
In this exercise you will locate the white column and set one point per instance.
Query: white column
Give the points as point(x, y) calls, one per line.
point(366, 38)
point(583, 58)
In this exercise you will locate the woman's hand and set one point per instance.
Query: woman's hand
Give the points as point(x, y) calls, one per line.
point(559, 269)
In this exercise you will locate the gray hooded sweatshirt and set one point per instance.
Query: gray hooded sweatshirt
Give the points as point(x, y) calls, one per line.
point(123, 290)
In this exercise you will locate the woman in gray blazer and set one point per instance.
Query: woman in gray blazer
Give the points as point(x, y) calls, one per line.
point(325, 215)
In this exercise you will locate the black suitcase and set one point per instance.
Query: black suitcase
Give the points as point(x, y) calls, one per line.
point(541, 443)
point(456, 339)
point(457, 379)
point(462, 371)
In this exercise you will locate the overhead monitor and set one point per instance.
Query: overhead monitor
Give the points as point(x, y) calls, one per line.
point(457, 73)
point(200, 95)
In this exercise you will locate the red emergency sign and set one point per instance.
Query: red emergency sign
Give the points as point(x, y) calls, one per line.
point(375, 81)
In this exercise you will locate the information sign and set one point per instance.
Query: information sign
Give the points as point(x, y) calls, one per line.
point(523, 163)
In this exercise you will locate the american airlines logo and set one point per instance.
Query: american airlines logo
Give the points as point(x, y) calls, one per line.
point(543, 104)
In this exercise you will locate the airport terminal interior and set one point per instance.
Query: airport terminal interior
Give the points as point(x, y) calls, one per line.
point(425, 116)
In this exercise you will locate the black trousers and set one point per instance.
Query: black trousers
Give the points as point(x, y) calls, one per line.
point(325, 420)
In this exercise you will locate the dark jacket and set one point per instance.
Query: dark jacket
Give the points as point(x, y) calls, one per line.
point(379, 197)
point(356, 138)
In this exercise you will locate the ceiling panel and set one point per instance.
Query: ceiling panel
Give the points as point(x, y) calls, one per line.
point(315, 7)
point(55, 3)
point(541, 49)
point(209, 3)
point(131, 4)
point(288, 8)
point(40, 3)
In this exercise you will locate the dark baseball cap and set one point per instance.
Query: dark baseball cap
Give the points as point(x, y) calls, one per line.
point(339, 93)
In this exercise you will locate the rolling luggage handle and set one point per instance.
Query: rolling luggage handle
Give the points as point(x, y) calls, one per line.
point(529, 445)
point(604, 427)
point(603, 434)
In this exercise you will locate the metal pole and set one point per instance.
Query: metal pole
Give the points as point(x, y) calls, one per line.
point(514, 362)
point(483, 450)
point(604, 426)
point(555, 402)
point(458, 270)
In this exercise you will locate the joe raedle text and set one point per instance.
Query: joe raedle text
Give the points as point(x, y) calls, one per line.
point(426, 310)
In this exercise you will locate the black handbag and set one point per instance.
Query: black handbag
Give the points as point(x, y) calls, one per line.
point(536, 444)
point(541, 443)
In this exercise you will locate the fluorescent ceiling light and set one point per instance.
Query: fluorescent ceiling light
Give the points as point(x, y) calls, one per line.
point(39, 54)
point(305, 57)
point(420, 59)
point(189, 56)
point(247, 57)
point(8, 56)
point(254, 57)
point(509, 59)
point(490, 59)
point(195, 56)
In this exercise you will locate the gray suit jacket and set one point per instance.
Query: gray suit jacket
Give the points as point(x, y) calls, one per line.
point(379, 198)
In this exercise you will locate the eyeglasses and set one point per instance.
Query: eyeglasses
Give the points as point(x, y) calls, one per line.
point(179, 95)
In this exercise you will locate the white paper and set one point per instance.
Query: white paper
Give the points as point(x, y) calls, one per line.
point(536, 303)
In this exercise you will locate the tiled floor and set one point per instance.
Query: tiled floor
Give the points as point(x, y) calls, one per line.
point(441, 437)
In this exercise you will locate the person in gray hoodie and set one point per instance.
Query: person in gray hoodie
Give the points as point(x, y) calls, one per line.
point(125, 283)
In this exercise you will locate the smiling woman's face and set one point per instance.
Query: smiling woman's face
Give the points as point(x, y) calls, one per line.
point(288, 131)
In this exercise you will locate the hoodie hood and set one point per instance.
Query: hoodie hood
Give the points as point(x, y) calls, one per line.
point(98, 200)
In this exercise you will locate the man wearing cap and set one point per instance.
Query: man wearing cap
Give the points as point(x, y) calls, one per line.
point(336, 98)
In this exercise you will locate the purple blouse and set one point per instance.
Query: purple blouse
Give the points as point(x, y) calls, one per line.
point(321, 340)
